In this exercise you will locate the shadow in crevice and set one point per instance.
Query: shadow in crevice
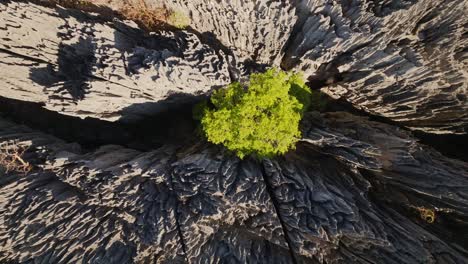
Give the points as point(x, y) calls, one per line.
point(382, 8)
point(170, 122)
point(165, 122)
point(450, 145)
point(326, 74)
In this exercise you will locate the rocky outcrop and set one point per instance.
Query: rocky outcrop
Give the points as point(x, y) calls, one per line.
point(196, 203)
point(117, 205)
point(404, 60)
point(254, 31)
point(353, 191)
point(77, 65)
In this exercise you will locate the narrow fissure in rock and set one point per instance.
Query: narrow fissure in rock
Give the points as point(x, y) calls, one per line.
point(277, 211)
point(177, 214)
point(173, 126)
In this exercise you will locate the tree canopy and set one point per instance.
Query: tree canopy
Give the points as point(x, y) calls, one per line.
point(261, 119)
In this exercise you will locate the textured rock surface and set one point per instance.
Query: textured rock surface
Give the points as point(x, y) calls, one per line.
point(117, 205)
point(255, 31)
point(354, 191)
point(405, 60)
point(195, 203)
point(80, 66)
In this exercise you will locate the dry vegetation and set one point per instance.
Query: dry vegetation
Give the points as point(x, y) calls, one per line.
point(148, 18)
point(11, 158)
point(426, 214)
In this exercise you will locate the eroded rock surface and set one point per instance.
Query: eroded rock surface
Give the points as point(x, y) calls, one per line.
point(117, 205)
point(405, 60)
point(354, 191)
point(255, 31)
point(78, 65)
point(197, 203)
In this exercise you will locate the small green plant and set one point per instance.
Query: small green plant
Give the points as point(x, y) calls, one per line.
point(262, 119)
point(178, 20)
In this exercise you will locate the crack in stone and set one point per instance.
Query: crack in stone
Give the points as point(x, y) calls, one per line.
point(278, 214)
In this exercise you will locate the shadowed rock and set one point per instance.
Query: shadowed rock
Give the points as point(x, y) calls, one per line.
point(350, 192)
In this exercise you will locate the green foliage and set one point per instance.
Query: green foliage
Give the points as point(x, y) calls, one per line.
point(178, 20)
point(261, 120)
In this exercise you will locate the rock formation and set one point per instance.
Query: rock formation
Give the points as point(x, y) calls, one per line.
point(405, 60)
point(339, 198)
point(354, 190)
point(75, 64)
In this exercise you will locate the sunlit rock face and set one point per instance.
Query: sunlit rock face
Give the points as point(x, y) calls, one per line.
point(76, 65)
point(404, 60)
point(353, 190)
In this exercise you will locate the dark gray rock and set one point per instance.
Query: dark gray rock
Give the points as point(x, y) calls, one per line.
point(333, 193)
point(117, 205)
point(349, 193)
point(226, 214)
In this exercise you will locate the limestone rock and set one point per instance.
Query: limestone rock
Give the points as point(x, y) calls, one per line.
point(354, 190)
point(77, 65)
point(256, 32)
point(404, 60)
point(351, 191)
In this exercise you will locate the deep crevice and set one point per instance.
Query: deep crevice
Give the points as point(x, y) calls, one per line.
point(453, 146)
point(177, 213)
point(277, 211)
point(174, 125)
point(448, 226)
point(450, 145)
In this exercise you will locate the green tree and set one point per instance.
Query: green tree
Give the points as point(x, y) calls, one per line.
point(262, 119)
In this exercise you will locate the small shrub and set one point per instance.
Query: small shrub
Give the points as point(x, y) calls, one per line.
point(426, 214)
point(148, 18)
point(262, 119)
point(178, 20)
point(11, 158)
